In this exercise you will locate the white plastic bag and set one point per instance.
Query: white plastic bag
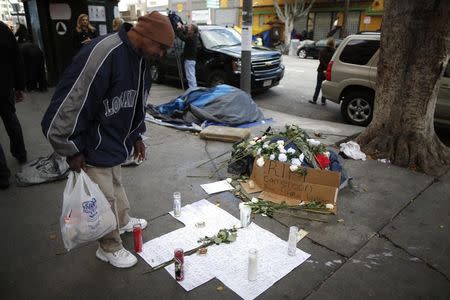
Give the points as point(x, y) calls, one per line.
point(86, 214)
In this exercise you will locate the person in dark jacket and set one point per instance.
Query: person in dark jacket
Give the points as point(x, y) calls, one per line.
point(11, 91)
point(33, 58)
point(96, 116)
point(189, 34)
point(324, 58)
point(22, 34)
point(84, 32)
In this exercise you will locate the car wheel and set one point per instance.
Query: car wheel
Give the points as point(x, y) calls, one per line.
point(301, 53)
point(217, 77)
point(357, 108)
point(155, 73)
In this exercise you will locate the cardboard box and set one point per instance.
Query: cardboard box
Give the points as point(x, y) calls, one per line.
point(279, 184)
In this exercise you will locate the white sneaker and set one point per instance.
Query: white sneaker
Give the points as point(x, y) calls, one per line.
point(121, 258)
point(131, 223)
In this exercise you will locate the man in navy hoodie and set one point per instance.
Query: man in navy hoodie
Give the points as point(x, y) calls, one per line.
point(96, 116)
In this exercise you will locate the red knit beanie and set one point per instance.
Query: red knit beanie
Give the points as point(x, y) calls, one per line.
point(156, 27)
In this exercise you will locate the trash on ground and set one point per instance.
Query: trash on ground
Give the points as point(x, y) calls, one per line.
point(43, 169)
point(352, 150)
point(217, 187)
point(384, 160)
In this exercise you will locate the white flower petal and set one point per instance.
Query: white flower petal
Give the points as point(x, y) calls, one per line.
point(293, 168)
point(280, 142)
point(258, 152)
point(229, 180)
point(272, 156)
point(301, 157)
point(255, 200)
point(296, 161)
point(313, 142)
point(282, 157)
point(260, 161)
point(291, 150)
point(252, 143)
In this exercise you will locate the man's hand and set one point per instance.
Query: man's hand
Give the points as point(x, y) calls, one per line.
point(77, 162)
point(19, 96)
point(139, 150)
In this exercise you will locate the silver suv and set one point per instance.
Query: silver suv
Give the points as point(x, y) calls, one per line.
point(351, 77)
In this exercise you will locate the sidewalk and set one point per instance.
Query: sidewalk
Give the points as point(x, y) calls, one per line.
point(389, 240)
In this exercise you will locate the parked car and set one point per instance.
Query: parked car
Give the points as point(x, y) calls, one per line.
point(219, 61)
point(351, 80)
point(312, 49)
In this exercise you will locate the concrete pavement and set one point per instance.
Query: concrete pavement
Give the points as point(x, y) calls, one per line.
point(389, 240)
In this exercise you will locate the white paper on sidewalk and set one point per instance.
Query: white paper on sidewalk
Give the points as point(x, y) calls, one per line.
point(227, 262)
point(217, 187)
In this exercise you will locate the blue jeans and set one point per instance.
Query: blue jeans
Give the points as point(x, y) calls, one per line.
point(189, 67)
point(320, 78)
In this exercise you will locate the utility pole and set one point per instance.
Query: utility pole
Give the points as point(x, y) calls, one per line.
point(246, 46)
point(344, 22)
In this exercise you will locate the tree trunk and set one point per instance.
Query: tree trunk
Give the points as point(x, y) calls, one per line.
point(412, 57)
point(288, 26)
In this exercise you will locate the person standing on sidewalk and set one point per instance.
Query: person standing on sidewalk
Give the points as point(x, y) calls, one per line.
point(96, 116)
point(12, 80)
point(189, 34)
point(324, 58)
point(84, 32)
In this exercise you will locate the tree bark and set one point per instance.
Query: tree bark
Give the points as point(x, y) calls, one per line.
point(413, 54)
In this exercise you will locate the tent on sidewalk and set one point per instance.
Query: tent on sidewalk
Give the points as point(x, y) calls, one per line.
point(196, 108)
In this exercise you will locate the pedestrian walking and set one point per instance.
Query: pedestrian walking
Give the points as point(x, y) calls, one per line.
point(324, 58)
point(11, 91)
point(84, 32)
point(189, 34)
point(96, 116)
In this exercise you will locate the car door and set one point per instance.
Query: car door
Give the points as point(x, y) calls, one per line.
point(442, 112)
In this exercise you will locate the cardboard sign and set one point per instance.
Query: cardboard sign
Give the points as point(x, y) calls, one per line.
point(280, 184)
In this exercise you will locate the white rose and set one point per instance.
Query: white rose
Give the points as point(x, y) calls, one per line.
point(281, 149)
point(260, 161)
point(229, 180)
point(313, 142)
point(296, 161)
point(291, 150)
point(255, 200)
point(301, 157)
point(293, 168)
point(282, 157)
point(280, 142)
point(272, 156)
point(252, 143)
point(329, 206)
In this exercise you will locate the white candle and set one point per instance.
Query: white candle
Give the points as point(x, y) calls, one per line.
point(292, 241)
point(252, 264)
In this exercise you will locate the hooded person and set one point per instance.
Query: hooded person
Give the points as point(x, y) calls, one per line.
point(96, 116)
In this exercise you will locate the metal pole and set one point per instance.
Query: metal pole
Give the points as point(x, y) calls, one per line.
point(344, 22)
point(246, 56)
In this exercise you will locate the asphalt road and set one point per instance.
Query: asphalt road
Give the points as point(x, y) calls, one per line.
point(297, 87)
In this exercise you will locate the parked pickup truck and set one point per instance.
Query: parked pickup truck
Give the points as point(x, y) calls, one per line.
point(219, 61)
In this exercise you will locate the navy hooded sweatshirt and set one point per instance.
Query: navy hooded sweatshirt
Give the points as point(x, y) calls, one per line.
point(98, 108)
